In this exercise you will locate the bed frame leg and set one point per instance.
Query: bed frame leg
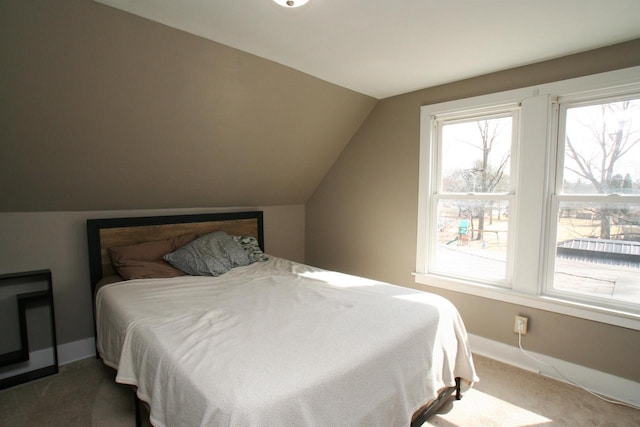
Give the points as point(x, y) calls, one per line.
point(437, 403)
point(137, 408)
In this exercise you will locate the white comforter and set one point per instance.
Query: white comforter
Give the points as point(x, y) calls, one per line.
point(280, 344)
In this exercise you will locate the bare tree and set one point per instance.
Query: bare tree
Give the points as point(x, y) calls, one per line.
point(486, 175)
point(614, 136)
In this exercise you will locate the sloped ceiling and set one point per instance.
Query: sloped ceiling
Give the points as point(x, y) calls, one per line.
point(105, 110)
point(389, 47)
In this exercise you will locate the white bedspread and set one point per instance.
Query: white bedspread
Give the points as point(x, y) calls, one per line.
point(280, 344)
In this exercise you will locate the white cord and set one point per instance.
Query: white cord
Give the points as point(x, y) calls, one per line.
point(615, 402)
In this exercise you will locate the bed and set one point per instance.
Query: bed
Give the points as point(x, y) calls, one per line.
point(271, 342)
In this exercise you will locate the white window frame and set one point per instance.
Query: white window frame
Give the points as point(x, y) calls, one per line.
point(533, 231)
point(559, 109)
point(437, 193)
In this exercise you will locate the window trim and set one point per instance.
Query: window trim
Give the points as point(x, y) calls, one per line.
point(528, 282)
point(557, 196)
point(437, 193)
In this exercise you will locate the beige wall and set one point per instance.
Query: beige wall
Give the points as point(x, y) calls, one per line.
point(101, 109)
point(104, 110)
point(362, 217)
point(104, 114)
point(58, 241)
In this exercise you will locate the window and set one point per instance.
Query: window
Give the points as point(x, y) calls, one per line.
point(596, 202)
point(532, 196)
point(472, 196)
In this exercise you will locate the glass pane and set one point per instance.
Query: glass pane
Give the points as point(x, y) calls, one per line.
point(476, 156)
point(598, 250)
point(472, 239)
point(602, 149)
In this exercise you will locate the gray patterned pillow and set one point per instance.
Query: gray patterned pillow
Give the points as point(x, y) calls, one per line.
point(210, 255)
point(252, 247)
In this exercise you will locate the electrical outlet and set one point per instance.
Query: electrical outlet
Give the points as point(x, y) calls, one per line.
point(520, 325)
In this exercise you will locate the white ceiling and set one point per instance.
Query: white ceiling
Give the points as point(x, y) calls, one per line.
point(383, 48)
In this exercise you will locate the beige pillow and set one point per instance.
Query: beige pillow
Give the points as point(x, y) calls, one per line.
point(144, 260)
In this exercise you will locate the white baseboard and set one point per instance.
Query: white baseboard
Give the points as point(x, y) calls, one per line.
point(37, 359)
point(67, 353)
point(608, 385)
point(76, 350)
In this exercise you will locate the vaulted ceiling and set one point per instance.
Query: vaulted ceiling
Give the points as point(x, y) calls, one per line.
point(191, 103)
point(105, 110)
point(388, 47)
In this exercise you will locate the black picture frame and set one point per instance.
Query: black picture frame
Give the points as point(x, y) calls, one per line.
point(18, 360)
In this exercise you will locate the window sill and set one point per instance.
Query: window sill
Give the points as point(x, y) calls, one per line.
point(548, 303)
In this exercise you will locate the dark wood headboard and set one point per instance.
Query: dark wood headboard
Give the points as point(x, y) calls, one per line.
point(103, 234)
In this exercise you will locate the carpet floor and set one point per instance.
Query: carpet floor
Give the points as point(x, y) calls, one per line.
point(84, 394)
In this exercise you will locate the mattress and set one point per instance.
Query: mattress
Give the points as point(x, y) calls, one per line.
point(280, 343)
